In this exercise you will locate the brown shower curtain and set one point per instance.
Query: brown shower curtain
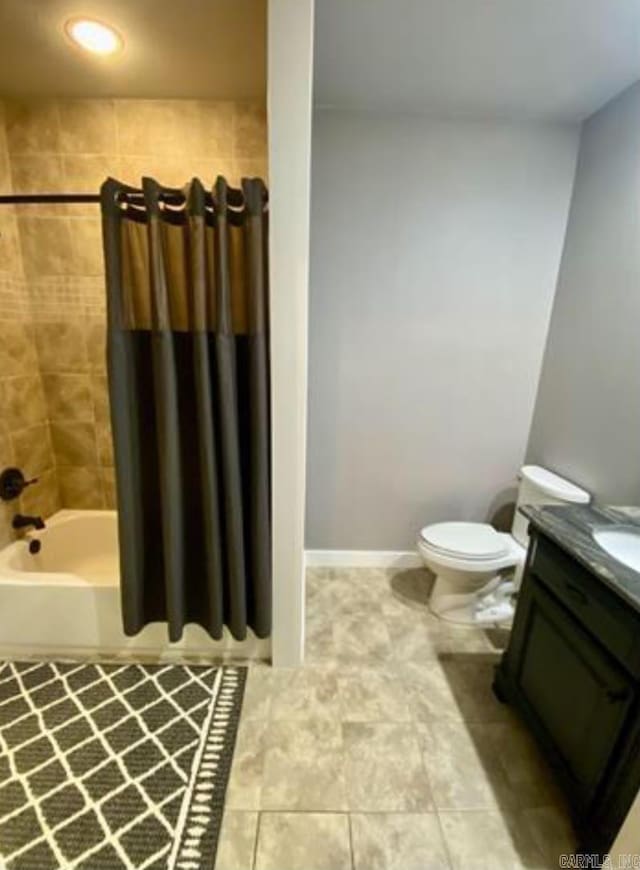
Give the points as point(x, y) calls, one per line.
point(188, 367)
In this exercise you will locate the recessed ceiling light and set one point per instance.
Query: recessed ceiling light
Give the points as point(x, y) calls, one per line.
point(93, 36)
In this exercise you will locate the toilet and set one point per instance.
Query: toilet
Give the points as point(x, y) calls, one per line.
point(471, 560)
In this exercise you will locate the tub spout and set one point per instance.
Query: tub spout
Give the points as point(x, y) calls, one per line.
point(22, 522)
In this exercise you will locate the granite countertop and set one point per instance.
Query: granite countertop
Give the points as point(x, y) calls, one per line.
point(570, 526)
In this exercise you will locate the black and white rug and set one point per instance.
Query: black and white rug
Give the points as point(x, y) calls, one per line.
point(104, 767)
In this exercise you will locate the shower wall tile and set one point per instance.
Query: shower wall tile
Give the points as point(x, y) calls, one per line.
point(87, 126)
point(14, 299)
point(100, 393)
point(213, 123)
point(46, 245)
point(6, 532)
point(105, 444)
point(51, 262)
point(7, 458)
point(17, 348)
point(96, 340)
point(109, 487)
point(74, 298)
point(25, 441)
point(24, 436)
point(171, 127)
point(75, 144)
point(68, 397)
point(250, 167)
point(10, 254)
point(24, 402)
point(10, 271)
point(140, 121)
point(5, 167)
point(249, 130)
point(42, 498)
point(32, 449)
point(7, 455)
point(86, 246)
point(74, 444)
point(81, 487)
point(32, 127)
point(85, 173)
point(33, 173)
point(61, 346)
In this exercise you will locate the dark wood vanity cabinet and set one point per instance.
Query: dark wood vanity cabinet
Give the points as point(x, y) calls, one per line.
point(572, 669)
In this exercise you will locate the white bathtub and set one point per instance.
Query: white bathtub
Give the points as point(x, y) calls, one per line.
point(65, 600)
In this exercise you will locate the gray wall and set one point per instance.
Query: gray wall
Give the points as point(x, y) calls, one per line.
point(587, 413)
point(435, 248)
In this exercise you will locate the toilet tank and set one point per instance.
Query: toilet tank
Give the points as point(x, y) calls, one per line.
point(537, 487)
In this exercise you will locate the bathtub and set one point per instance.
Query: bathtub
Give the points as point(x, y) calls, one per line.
point(65, 600)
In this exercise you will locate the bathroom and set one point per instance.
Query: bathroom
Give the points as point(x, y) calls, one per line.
point(450, 336)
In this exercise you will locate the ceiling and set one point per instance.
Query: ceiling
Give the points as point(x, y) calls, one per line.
point(173, 48)
point(550, 59)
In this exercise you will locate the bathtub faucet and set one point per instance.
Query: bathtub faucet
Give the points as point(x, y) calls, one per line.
point(22, 522)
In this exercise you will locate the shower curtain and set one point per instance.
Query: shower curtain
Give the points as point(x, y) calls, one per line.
point(187, 350)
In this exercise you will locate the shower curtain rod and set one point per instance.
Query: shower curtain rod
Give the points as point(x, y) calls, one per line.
point(36, 198)
point(170, 196)
point(44, 198)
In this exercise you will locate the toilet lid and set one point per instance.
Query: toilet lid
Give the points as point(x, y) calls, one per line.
point(471, 540)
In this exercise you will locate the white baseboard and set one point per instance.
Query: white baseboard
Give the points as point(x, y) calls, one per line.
point(362, 559)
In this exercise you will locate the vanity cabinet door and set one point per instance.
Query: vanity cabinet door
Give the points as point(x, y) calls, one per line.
point(576, 691)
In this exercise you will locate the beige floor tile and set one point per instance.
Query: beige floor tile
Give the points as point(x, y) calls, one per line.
point(361, 639)
point(527, 776)
point(258, 692)
point(305, 693)
point(551, 831)
point(398, 841)
point(416, 706)
point(304, 766)
point(236, 846)
point(450, 638)
point(375, 583)
point(428, 691)
point(384, 768)
point(371, 695)
point(489, 840)
point(319, 646)
point(454, 686)
point(411, 640)
point(303, 841)
point(462, 773)
point(245, 780)
point(346, 593)
point(407, 594)
point(470, 676)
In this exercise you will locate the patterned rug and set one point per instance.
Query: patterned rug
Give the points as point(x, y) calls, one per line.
point(104, 767)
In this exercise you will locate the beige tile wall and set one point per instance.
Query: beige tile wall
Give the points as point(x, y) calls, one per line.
point(72, 146)
point(24, 429)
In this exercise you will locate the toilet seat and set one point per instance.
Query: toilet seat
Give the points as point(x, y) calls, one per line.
point(467, 541)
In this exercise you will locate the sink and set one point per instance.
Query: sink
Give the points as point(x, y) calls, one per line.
point(621, 542)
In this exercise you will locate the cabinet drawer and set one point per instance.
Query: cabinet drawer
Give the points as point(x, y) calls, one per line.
point(599, 610)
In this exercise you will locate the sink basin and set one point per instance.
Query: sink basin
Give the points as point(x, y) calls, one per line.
point(621, 542)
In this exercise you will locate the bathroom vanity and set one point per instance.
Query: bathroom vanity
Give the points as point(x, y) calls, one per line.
point(572, 667)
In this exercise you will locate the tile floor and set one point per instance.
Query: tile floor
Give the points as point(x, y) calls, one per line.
point(387, 751)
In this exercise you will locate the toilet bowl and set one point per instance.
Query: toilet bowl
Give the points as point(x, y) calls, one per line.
point(470, 560)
